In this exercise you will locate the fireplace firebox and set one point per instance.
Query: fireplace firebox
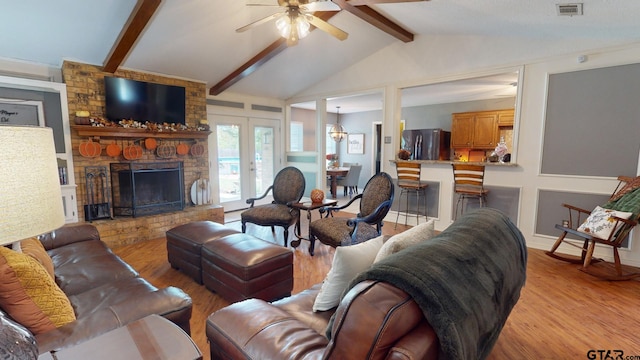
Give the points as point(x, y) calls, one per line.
point(140, 189)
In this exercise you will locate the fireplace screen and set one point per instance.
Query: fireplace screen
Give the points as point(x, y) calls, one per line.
point(140, 189)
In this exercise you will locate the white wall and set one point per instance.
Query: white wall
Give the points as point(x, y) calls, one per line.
point(412, 64)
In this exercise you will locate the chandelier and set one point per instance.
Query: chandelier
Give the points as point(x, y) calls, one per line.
point(337, 132)
point(293, 25)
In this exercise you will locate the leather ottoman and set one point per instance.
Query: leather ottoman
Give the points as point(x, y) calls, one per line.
point(184, 244)
point(241, 266)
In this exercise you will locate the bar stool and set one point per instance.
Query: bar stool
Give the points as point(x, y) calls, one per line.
point(468, 183)
point(409, 183)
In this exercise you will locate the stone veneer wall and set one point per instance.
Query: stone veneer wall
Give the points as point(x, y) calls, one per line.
point(85, 91)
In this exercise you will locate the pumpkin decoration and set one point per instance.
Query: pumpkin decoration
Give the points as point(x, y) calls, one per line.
point(132, 152)
point(197, 149)
point(317, 195)
point(150, 143)
point(89, 149)
point(113, 149)
point(166, 151)
point(182, 149)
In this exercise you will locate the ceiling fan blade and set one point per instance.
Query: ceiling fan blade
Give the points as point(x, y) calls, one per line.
point(326, 27)
point(259, 22)
point(320, 5)
point(373, 2)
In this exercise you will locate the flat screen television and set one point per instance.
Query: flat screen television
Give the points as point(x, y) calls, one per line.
point(143, 101)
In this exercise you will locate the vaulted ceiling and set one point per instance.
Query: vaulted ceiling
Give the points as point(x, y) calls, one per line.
point(196, 39)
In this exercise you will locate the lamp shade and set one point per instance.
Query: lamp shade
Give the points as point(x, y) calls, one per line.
point(30, 195)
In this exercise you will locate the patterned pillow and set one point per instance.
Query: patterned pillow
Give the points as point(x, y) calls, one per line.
point(348, 261)
point(34, 248)
point(601, 224)
point(29, 295)
point(403, 240)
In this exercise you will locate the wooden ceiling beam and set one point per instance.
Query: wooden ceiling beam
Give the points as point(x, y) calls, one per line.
point(262, 57)
point(137, 21)
point(376, 19)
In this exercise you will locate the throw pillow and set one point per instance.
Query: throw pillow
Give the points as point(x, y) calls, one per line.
point(29, 295)
point(403, 240)
point(34, 248)
point(600, 222)
point(348, 261)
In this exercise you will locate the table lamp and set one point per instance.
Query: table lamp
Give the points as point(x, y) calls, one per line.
point(30, 195)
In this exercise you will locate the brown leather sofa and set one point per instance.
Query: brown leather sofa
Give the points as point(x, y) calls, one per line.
point(105, 292)
point(452, 304)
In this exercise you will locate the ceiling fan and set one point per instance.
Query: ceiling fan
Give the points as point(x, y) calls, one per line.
point(294, 21)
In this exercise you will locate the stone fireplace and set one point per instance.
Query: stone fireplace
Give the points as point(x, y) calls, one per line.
point(85, 91)
point(140, 189)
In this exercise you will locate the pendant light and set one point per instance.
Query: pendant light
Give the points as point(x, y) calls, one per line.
point(337, 132)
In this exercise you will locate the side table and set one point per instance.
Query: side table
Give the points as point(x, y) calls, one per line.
point(152, 337)
point(308, 207)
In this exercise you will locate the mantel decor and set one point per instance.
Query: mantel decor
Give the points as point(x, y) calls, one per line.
point(122, 132)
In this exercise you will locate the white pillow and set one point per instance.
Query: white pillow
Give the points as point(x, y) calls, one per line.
point(348, 262)
point(403, 240)
point(600, 224)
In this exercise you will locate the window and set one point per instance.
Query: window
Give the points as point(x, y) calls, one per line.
point(331, 145)
point(297, 136)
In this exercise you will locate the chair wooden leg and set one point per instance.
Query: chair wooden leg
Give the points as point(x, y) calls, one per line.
point(569, 258)
point(286, 236)
point(244, 227)
point(312, 244)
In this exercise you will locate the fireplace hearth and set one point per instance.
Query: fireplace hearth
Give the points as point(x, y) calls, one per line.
point(140, 189)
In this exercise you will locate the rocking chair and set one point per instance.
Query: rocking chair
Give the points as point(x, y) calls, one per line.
point(625, 198)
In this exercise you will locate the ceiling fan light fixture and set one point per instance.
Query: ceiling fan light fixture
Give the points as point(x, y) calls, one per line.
point(293, 24)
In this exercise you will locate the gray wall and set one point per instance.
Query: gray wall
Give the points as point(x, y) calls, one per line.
point(439, 116)
point(579, 136)
point(360, 123)
point(51, 107)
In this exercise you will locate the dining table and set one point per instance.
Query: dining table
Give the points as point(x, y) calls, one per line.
point(333, 174)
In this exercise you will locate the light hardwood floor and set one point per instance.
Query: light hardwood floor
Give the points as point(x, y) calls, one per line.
point(562, 312)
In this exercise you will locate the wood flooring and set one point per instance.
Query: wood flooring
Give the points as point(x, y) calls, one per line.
point(562, 313)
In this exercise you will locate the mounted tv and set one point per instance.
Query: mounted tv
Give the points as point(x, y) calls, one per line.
point(143, 101)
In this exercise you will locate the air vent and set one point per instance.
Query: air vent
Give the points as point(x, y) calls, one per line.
point(569, 9)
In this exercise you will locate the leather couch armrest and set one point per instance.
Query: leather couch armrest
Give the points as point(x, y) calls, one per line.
point(420, 343)
point(255, 329)
point(171, 303)
point(78, 331)
point(69, 234)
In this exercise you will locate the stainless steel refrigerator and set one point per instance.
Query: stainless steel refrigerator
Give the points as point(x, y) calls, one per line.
point(427, 144)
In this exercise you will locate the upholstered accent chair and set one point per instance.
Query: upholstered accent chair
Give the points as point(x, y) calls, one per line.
point(287, 188)
point(375, 202)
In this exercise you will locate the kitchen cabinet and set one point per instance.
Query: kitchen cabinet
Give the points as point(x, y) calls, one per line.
point(505, 117)
point(475, 130)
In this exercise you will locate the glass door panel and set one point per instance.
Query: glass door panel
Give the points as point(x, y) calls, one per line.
point(248, 158)
point(229, 169)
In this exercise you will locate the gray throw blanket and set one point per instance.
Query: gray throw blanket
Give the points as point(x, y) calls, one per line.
point(466, 280)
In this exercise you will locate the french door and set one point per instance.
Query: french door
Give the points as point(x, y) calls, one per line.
point(248, 157)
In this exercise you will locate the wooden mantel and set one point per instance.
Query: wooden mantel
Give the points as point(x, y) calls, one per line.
point(122, 132)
